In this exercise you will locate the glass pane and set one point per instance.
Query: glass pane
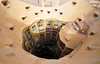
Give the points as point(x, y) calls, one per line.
point(25, 42)
point(28, 34)
point(48, 26)
point(36, 38)
point(55, 26)
point(34, 28)
point(41, 28)
point(32, 43)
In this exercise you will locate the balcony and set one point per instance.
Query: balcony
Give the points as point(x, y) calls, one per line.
point(79, 27)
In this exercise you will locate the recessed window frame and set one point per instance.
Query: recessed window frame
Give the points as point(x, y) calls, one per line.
point(48, 26)
point(32, 43)
point(34, 28)
point(74, 3)
point(24, 18)
point(95, 15)
point(28, 34)
point(40, 25)
point(91, 33)
point(61, 13)
point(36, 38)
point(36, 13)
point(12, 28)
point(25, 42)
point(5, 3)
point(56, 9)
point(27, 7)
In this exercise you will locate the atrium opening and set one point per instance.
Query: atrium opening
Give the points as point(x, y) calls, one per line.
point(42, 39)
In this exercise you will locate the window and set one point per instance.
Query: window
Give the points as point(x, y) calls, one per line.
point(24, 41)
point(62, 45)
point(12, 28)
point(62, 24)
point(36, 38)
point(41, 10)
point(74, 3)
point(36, 13)
point(40, 24)
point(32, 42)
point(48, 12)
point(91, 34)
point(48, 37)
point(48, 25)
point(55, 24)
point(5, 3)
point(83, 31)
point(95, 15)
point(47, 33)
point(23, 18)
point(79, 19)
point(56, 9)
point(61, 13)
point(54, 34)
point(34, 28)
point(42, 34)
point(27, 7)
point(28, 34)
point(41, 28)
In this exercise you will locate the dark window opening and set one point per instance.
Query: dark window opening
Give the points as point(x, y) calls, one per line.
point(42, 34)
point(12, 28)
point(88, 48)
point(95, 15)
point(56, 9)
point(63, 24)
point(48, 26)
point(48, 12)
point(61, 13)
point(74, 3)
point(32, 43)
point(34, 28)
point(62, 45)
point(41, 10)
point(23, 18)
point(79, 19)
point(36, 13)
point(24, 43)
point(36, 38)
point(55, 27)
point(54, 33)
point(28, 34)
point(5, 3)
point(40, 25)
point(27, 7)
point(41, 28)
point(91, 34)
